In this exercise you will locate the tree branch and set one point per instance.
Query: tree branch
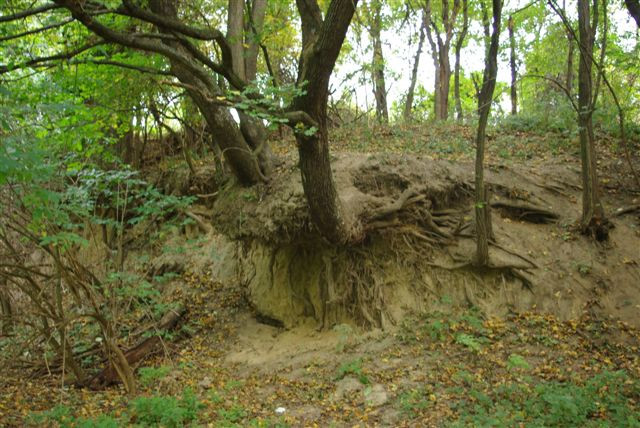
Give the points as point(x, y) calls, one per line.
point(47, 59)
point(36, 30)
point(141, 69)
point(130, 41)
point(29, 12)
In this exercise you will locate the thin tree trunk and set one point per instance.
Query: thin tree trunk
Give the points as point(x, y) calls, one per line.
point(593, 221)
point(440, 47)
point(458, 48)
point(569, 76)
point(6, 310)
point(408, 105)
point(514, 71)
point(377, 69)
point(482, 205)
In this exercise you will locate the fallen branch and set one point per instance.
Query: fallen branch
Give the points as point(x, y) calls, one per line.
point(109, 376)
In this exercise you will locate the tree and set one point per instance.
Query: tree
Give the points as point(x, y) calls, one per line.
point(373, 17)
point(439, 26)
point(321, 42)
point(458, 47)
point(485, 99)
point(244, 30)
point(593, 221)
point(513, 66)
point(408, 104)
point(159, 29)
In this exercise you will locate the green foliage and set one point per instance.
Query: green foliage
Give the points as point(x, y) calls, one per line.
point(353, 367)
point(412, 402)
point(231, 416)
point(469, 341)
point(606, 399)
point(60, 415)
point(516, 361)
point(166, 411)
point(149, 375)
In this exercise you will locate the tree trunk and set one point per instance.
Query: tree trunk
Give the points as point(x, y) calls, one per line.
point(204, 91)
point(321, 40)
point(634, 10)
point(593, 221)
point(569, 76)
point(444, 82)
point(408, 105)
point(458, 48)
point(235, 35)
point(6, 310)
point(514, 71)
point(377, 65)
point(440, 47)
point(482, 205)
point(244, 62)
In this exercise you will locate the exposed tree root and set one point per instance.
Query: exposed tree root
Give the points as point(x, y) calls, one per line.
point(526, 212)
point(626, 210)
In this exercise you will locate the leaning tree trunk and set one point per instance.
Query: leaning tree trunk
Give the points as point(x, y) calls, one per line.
point(322, 40)
point(204, 91)
point(408, 105)
point(593, 221)
point(377, 69)
point(482, 206)
point(514, 71)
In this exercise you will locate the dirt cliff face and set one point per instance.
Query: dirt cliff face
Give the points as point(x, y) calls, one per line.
point(417, 245)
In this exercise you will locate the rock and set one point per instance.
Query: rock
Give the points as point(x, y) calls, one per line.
point(347, 388)
point(375, 396)
point(205, 383)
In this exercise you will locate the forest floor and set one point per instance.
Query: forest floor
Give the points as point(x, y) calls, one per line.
point(454, 367)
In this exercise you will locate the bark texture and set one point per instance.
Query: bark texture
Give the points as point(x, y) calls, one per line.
point(322, 40)
point(440, 34)
point(378, 64)
point(482, 203)
point(593, 220)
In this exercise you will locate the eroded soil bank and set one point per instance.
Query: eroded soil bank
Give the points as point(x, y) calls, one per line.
point(418, 248)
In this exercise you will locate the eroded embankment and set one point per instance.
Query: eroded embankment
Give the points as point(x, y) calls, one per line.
point(417, 214)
